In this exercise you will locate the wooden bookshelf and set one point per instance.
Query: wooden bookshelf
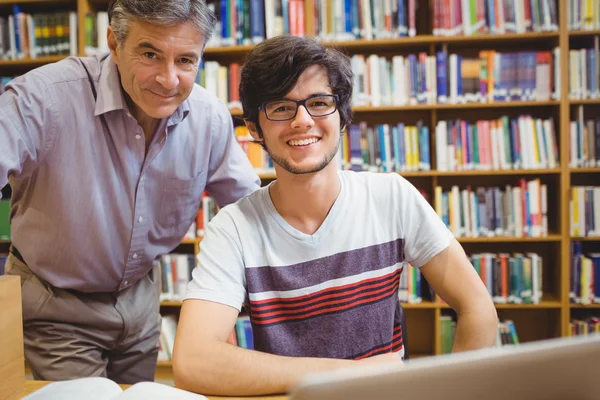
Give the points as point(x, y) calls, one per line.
point(576, 34)
point(551, 317)
point(585, 101)
point(591, 170)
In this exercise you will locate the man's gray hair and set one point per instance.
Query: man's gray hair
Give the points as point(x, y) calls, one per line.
point(161, 12)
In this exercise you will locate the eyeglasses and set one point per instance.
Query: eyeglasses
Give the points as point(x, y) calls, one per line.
point(317, 106)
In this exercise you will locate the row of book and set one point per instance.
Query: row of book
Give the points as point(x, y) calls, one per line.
point(584, 141)
point(24, 35)
point(506, 333)
point(3, 82)
point(422, 79)
point(511, 279)
point(241, 335)
point(244, 22)
point(259, 158)
point(516, 211)
point(3, 257)
point(584, 211)
point(456, 17)
point(208, 209)
point(588, 326)
point(95, 32)
point(492, 76)
point(4, 219)
point(583, 15)
point(501, 144)
point(584, 72)
point(410, 288)
point(585, 275)
point(386, 148)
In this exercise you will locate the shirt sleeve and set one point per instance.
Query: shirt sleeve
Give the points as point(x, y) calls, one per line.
point(27, 125)
point(231, 176)
point(219, 274)
point(425, 234)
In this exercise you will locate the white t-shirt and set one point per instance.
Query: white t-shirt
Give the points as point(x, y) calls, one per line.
point(330, 294)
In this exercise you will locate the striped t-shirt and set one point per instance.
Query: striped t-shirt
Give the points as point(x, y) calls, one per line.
point(330, 294)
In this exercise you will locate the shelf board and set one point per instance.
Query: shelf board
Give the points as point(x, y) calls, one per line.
point(52, 2)
point(191, 241)
point(508, 172)
point(170, 303)
point(466, 106)
point(585, 306)
point(417, 174)
point(587, 170)
point(402, 42)
point(584, 33)
point(30, 62)
point(429, 305)
point(542, 305)
point(509, 239)
point(586, 239)
point(164, 364)
point(270, 175)
point(584, 101)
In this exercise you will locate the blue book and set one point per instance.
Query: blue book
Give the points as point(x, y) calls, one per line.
point(257, 20)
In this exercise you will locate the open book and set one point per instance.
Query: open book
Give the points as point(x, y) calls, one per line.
point(104, 389)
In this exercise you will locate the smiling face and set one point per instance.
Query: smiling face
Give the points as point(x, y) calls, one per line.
point(303, 144)
point(158, 66)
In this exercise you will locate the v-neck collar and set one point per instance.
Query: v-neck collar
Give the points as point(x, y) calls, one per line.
point(295, 233)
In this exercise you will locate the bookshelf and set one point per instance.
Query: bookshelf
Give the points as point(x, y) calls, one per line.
point(551, 317)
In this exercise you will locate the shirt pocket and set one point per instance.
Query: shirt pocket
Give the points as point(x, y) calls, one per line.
point(180, 202)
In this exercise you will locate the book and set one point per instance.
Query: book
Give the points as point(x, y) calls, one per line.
point(98, 388)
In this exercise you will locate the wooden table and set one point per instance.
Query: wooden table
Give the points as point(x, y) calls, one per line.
point(32, 386)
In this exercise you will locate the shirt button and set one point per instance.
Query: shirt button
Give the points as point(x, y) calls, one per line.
point(138, 137)
point(140, 219)
point(134, 255)
point(125, 283)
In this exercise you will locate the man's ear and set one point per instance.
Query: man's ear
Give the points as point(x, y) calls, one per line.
point(113, 44)
point(252, 128)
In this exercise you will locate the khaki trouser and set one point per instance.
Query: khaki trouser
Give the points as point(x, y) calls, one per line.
point(70, 334)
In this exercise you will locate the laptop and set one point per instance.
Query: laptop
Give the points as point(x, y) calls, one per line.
point(555, 369)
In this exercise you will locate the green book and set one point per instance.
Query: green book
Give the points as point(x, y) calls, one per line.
point(4, 220)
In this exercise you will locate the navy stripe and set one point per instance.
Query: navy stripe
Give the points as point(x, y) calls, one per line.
point(340, 265)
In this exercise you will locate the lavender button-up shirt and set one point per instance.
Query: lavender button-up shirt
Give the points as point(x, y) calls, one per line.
point(90, 209)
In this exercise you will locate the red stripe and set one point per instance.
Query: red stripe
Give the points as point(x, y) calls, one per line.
point(382, 349)
point(256, 303)
point(322, 297)
point(328, 310)
point(324, 303)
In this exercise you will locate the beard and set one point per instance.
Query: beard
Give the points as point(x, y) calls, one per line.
point(285, 164)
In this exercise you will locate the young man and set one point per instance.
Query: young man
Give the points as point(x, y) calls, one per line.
point(317, 255)
point(107, 158)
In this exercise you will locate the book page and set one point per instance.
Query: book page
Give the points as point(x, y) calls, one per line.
point(156, 391)
point(95, 388)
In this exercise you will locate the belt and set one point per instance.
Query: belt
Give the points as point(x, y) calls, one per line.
point(13, 250)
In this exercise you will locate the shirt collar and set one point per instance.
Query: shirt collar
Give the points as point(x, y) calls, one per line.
point(110, 94)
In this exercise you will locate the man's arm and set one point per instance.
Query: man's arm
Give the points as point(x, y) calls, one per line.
point(204, 362)
point(27, 125)
point(453, 278)
point(231, 176)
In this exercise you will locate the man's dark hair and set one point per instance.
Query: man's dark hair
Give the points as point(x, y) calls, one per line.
point(273, 67)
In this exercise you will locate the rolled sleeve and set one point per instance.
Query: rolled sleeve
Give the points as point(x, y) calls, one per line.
point(219, 275)
point(231, 174)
